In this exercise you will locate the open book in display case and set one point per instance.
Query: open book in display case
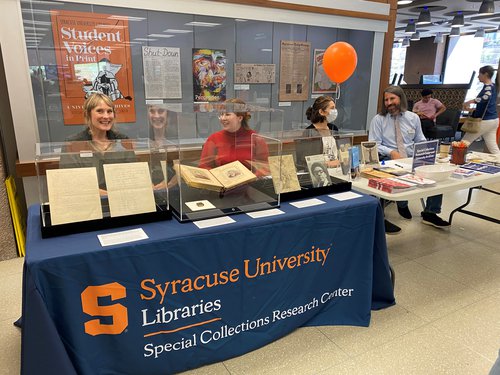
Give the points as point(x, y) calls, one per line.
point(85, 186)
point(222, 167)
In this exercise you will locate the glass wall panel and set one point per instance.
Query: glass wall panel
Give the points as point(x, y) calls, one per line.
point(243, 41)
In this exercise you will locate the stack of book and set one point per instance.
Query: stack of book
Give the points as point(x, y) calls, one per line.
point(392, 170)
point(373, 173)
point(390, 185)
point(419, 181)
point(463, 173)
point(484, 168)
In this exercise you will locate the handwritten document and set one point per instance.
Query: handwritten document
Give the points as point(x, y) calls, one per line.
point(73, 195)
point(130, 190)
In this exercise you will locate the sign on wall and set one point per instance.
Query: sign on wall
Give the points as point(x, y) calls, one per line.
point(209, 75)
point(254, 73)
point(162, 72)
point(321, 83)
point(294, 70)
point(93, 55)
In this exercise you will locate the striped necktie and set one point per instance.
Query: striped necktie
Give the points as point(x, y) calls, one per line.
point(399, 138)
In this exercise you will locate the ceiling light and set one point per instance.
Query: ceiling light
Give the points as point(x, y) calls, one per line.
point(160, 35)
point(458, 20)
point(487, 7)
point(411, 28)
point(126, 18)
point(425, 17)
point(35, 28)
point(42, 23)
point(202, 24)
point(455, 31)
point(177, 31)
point(479, 33)
point(406, 42)
point(415, 36)
point(404, 2)
point(439, 38)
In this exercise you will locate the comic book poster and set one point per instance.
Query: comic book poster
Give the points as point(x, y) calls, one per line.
point(321, 82)
point(93, 55)
point(209, 75)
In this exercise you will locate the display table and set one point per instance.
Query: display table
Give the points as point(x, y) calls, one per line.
point(442, 187)
point(186, 296)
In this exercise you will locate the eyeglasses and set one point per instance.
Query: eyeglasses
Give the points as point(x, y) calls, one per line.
point(225, 114)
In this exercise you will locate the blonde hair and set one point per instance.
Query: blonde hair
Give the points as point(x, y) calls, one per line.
point(92, 102)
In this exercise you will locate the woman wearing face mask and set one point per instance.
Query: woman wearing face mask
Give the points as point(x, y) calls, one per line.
point(322, 114)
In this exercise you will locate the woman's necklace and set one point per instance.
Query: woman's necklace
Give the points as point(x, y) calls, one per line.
point(101, 145)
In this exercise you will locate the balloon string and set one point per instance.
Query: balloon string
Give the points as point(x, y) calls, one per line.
point(337, 91)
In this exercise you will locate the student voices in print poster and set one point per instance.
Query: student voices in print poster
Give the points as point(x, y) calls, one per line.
point(93, 55)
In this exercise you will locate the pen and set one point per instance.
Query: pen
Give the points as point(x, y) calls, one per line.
point(400, 166)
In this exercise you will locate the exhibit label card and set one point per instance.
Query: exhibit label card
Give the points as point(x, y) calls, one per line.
point(73, 195)
point(345, 196)
point(265, 213)
point(129, 187)
point(307, 203)
point(214, 222)
point(162, 72)
point(122, 237)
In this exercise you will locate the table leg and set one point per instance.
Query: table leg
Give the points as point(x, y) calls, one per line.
point(471, 213)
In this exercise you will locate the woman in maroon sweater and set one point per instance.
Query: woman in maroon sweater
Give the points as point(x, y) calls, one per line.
point(234, 141)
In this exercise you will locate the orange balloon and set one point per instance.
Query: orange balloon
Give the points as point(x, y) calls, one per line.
point(339, 61)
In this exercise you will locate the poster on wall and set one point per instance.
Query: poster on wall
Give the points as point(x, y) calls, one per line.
point(209, 75)
point(93, 55)
point(254, 73)
point(321, 84)
point(162, 72)
point(294, 70)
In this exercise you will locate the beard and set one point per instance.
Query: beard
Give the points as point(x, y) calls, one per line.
point(393, 108)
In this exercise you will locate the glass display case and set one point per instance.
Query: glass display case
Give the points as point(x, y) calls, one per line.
point(220, 159)
point(87, 185)
point(320, 159)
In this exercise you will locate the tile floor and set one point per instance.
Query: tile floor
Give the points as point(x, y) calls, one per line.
point(446, 320)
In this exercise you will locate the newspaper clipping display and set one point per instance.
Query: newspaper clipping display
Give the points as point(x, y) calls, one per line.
point(254, 73)
point(162, 72)
point(294, 70)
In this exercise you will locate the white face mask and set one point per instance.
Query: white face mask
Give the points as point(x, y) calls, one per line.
point(332, 115)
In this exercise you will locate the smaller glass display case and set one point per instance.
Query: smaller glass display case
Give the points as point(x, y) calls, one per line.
point(321, 158)
point(221, 159)
point(85, 185)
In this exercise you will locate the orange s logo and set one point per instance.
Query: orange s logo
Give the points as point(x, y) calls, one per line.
point(118, 312)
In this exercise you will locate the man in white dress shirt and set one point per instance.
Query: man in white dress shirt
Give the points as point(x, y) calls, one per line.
point(395, 129)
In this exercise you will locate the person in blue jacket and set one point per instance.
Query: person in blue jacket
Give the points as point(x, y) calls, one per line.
point(486, 108)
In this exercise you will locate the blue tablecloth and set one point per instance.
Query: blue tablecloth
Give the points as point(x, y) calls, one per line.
point(187, 296)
